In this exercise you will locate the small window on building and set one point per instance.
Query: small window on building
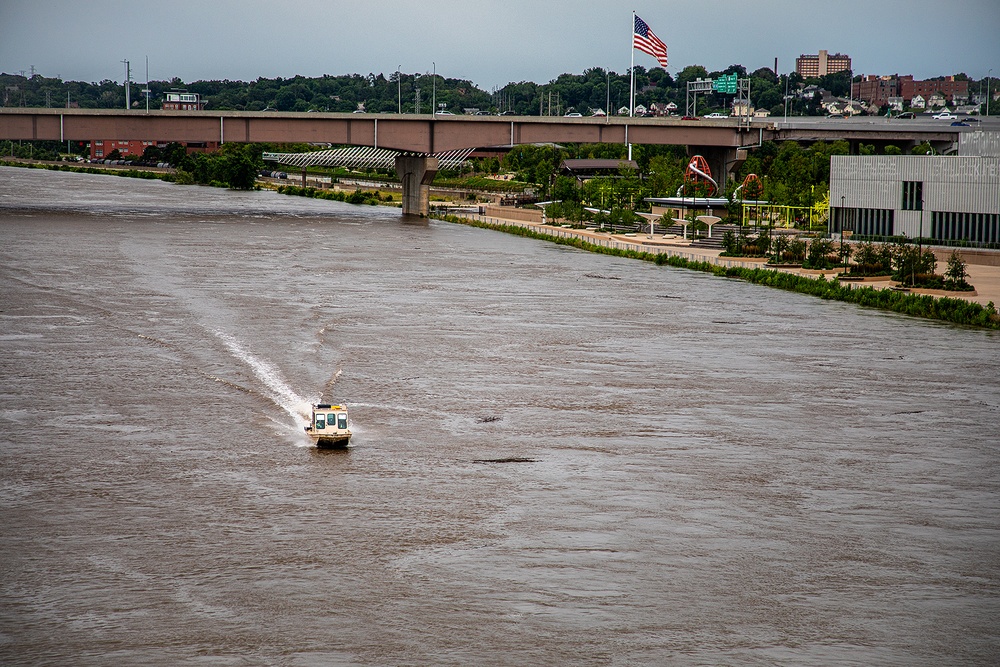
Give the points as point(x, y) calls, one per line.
point(913, 196)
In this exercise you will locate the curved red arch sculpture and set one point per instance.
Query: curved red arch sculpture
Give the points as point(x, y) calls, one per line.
point(752, 187)
point(698, 175)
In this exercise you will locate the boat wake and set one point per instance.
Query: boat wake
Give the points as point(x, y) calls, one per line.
point(275, 388)
point(328, 387)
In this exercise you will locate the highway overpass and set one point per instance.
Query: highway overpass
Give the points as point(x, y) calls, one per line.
point(436, 134)
point(722, 142)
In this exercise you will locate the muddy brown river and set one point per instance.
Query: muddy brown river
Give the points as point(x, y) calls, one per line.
point(559, 458)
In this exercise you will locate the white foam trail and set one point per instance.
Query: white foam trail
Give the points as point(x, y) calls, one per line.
point(277, 390)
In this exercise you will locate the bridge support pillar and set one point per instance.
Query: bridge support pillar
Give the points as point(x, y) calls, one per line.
point(416, 172)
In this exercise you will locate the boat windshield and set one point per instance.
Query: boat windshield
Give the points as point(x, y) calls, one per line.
point(320, 421)
point(341, 420)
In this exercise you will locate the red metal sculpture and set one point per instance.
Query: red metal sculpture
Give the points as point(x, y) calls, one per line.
point(698, 179)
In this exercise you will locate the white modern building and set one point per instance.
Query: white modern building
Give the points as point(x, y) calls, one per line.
point(943, 197)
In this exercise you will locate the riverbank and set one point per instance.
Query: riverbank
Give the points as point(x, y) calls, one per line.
point(936, 304)
point(973, 308)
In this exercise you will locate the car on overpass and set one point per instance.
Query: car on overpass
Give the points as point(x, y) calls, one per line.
point(945, 115)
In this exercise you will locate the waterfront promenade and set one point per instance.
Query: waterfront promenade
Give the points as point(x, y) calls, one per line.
point(985, 278)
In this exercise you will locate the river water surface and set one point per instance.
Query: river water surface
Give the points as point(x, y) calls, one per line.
point(559, 458)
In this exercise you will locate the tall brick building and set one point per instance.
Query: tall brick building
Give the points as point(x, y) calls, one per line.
point(811, 66)
point(875, 89)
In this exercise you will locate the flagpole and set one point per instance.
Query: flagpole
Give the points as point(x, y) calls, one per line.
point(631, 85)
point(631, 70)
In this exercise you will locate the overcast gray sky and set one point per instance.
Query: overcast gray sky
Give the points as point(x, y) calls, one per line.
point(490, 42)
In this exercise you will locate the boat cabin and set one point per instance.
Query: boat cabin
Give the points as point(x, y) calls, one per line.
point(328, 426)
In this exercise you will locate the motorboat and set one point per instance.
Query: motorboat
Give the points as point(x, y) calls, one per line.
point(328, 426)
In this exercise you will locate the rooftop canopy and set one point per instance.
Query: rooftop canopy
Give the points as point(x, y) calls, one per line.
point(699, 202)
point(588, 168)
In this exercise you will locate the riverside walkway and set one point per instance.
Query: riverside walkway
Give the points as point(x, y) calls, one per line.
point(985, 278)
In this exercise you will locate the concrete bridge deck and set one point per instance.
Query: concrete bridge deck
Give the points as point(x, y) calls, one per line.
point(435, 134)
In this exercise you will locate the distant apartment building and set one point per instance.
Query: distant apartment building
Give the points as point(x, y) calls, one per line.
point(810, 66)
point(877, 90)
point(908, 88)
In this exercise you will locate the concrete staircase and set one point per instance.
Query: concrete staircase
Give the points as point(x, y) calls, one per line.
point(703, 241)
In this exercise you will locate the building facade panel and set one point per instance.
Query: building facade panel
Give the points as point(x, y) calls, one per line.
point(986, 144)
point(908, 223)
point(952, 198)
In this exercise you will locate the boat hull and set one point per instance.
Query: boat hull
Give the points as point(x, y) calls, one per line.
point(331, 441)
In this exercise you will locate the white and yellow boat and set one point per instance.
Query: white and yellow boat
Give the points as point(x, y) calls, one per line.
point(329, 426)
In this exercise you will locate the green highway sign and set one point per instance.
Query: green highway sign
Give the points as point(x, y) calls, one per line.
point(725, 84)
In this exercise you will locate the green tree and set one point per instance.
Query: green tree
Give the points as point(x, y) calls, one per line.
point(240, 164)
point(564, 188)
point(956, 273)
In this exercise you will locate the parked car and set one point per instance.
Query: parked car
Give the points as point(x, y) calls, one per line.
point(945, 115)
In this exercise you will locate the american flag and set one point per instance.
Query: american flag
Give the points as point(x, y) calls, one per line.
point(644, 40)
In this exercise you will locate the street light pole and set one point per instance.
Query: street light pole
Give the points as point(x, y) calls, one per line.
point(988, 96)
point(920, 239)
point(607, 104)
point(146, 89)
point(786, 98)
point(399, 87)
point(434, 76)
point(128, 79)
point(842, 216)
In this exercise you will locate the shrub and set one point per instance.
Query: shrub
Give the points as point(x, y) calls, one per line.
point(819, 255)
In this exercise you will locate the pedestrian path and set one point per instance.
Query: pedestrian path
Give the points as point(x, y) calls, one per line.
point(986, 279)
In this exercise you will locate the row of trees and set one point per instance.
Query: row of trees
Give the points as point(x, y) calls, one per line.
point(595, 88)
